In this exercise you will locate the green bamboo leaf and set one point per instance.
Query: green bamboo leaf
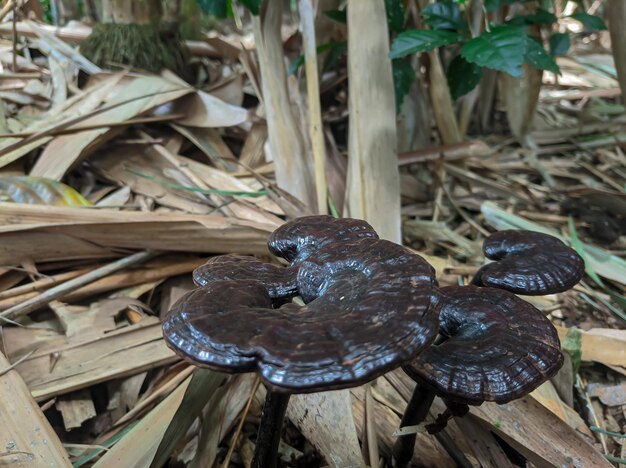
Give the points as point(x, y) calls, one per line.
point(421, 40)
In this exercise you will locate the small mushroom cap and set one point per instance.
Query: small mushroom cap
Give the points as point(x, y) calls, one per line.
point(368, 314)
point(498, 348)
point(298, 239)
point(280, 282)
point(530, 263)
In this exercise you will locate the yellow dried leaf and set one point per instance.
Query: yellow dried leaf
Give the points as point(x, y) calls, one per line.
point(39, 191)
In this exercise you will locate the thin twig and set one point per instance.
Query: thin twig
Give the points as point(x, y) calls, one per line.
point(18, 362)
point(56, 292)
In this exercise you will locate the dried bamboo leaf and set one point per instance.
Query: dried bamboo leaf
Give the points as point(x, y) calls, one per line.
point(142, 94)
point(26, 438)
point(596, 345)
point(330, 428)
point(12, 149)
point(428, 451)
point(84, 360)
point(373, 191)
point(204, 110)
point(547, 395)
point(76, 408)
point(53, 233)
point(219, 416)
point(530, 428)
point(39, 190)
point(483, 444)
point(538, 434)
point(201, 388)
point(139, 445)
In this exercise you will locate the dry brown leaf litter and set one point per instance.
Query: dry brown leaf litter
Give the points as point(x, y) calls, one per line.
point(134, 145)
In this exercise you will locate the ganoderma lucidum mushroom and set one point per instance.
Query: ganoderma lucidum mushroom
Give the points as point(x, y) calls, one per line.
point(496, 347)
point(371, 306)
point(529, 263)
point(526, 262)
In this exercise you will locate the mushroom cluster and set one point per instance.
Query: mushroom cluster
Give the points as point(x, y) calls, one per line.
point(370, 306)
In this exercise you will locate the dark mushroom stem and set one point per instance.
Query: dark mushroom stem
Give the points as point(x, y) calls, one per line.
point(268, 438)
point(416, 411)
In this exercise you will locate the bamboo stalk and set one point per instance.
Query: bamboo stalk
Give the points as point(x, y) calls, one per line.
point(58, 291)
point(307, 25)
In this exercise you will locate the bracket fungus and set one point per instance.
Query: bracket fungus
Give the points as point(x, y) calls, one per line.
point(496, 347)
point(530, 263)
point(370, 306)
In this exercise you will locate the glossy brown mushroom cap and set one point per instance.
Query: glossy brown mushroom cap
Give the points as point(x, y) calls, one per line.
point(373, 306)
point(530, 263)
point(280, 282)
point(498, 348)
point(298, 239)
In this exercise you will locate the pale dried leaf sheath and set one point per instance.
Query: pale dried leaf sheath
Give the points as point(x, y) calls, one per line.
point(330, 428)
point(25, 432)
point(442, 103)
point(373, 176)
point(616, 13)
point(293, 167)
point(316, 130)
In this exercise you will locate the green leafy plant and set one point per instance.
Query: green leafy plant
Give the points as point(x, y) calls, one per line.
point(504, 47)
point(224, 8)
